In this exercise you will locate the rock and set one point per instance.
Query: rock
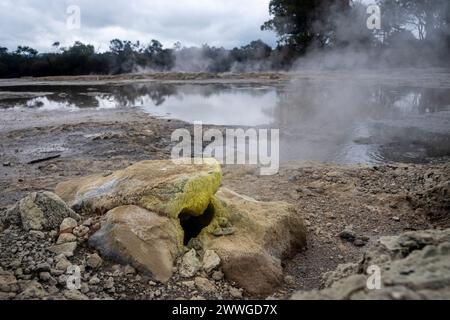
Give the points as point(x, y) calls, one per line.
point(210, 261)
point(39, 211)
point(195, 244)
point(94, 261)
point(154, 208)
point(63, 264)
point(75, 295)
point(265, 233)
point(217, 275)
point(129, 270)
point(190, 264)
point(235, 293)
point(81, 231)
point(205, 285)
point(43, 267)
point(189, 284)
point(33, 291)
point(65, 238)
point(8, 282)
point(158, 186)
point(45, 276)
point(348, 235)
point(68, 224)
point(66, 249)
point(109, 283)
point(414, 265)
point(94, 281)
point(132, 235)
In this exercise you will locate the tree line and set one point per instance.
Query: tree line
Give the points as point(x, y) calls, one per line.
point(408, 28)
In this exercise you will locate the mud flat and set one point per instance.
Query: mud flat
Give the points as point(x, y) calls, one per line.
point(347, 208)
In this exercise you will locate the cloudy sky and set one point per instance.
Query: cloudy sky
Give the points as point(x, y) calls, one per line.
point(225, 23)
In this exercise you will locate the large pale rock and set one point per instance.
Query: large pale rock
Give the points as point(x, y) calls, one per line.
point(163, 187)
point(141, 238)
point(414, 265)
point(155, 208)
point(265, 234)
point(40, 211)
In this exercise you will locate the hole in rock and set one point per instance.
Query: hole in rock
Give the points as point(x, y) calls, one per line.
point(193, 225)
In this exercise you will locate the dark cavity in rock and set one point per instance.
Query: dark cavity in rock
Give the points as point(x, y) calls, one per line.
point(193, 225)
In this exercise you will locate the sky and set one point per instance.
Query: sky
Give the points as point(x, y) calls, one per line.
point(39, 24)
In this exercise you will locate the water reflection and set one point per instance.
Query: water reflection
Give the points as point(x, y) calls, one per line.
point(335, 122)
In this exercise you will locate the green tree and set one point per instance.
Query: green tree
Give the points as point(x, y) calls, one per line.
point(299, 23)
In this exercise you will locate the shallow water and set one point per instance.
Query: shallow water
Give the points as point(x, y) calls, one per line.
point(339, 122)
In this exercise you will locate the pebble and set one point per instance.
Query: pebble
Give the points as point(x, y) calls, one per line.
point(235, 293)
point(210, 261)
point(94, 281)
point(68, 224)
point(129, 270)
point(94, 261)
point(65, 238)
point(204, 285)
point(217, 275)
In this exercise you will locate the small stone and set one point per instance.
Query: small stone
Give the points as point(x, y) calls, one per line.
point(43, 267)
point(65, 238)
point(45, 276)
point(37, 234)
point(94, 261)
point(347, 235)
point(129, 270)
point(210, 261)
point(189, 284)
point(81, 231)
point(395, 218)
point(205, 285)
point(74, 295)
point(217, 275)
point(289, 280)
point(8, 282)
point(66, 249)
point(195, 244)
point(109, 284)
point(84, 288)
point(88, 222)
point(7, 164)
point(359, 242)
point(33, 291)
point(68, 224)
point(235, 293)
point(94, 281)
point(229, 231)
point(190, 264)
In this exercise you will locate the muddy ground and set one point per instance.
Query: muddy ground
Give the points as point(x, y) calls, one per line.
point(372, 201)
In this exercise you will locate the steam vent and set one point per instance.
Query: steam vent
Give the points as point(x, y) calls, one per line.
point(153, 210)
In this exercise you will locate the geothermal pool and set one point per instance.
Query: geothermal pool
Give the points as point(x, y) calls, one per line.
point(335, 122)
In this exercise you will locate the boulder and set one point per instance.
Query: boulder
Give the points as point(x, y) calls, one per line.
point(42, 211)
point(414, 265)
point(142, 238)
point(265, 234)
point(163, 187)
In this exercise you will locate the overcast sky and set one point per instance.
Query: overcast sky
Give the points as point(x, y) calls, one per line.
point(40, 23)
